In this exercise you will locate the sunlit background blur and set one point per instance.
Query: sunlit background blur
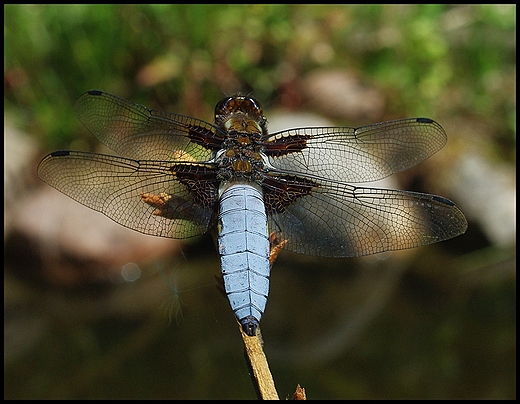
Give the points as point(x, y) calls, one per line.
point(94, 310)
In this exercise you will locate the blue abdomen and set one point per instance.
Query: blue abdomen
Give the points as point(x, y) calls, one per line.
point(243, 245)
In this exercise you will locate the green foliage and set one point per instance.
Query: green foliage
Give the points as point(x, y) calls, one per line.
point(431, 60)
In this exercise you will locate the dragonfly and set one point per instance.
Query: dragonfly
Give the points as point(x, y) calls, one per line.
point(177, 176)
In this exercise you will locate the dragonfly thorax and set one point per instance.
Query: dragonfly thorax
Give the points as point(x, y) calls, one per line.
point(241, 162)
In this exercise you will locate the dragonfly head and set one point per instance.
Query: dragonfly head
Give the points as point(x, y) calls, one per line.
point(239, 111)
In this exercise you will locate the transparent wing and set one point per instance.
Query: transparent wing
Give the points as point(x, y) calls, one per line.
point(147, 196)
point(136, 132)
point(341, 220)
point(368, 153)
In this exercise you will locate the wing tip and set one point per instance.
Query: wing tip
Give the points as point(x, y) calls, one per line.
point(425, 120)
point(60, 153)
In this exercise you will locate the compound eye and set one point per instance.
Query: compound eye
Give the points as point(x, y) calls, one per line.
point(223, 105)
point(256, 105)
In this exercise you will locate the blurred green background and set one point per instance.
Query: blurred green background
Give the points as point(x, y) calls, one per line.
point(446, 327)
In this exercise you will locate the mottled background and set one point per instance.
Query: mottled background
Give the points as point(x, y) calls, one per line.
point(93, 310)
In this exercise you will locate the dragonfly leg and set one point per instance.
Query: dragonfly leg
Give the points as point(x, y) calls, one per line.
point(276, 246)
